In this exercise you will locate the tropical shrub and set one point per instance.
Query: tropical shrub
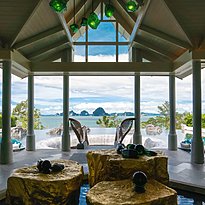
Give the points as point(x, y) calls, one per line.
point(21, 113)
point(13, 121)
point(108, 121)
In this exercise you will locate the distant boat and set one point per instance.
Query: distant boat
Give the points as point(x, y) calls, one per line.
point(17, 145)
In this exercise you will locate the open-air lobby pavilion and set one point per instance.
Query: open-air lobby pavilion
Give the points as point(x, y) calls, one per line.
point(164, 38)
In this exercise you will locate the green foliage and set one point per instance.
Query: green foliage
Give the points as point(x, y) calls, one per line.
point(21, 113)
point(188, 120)
point(108, 121)
point(13, 121)
point(164, 120)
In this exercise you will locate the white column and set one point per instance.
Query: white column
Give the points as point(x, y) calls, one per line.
point(67, 57)
point(30, 139)
point(172, 137)
point(197, 146)
point(135, 56)
point(6, 155)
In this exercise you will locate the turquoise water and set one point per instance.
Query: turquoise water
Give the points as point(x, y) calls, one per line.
point(183, 198)
point(89, 121)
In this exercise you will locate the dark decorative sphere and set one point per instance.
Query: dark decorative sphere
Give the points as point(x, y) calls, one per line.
point(46, 166)
point(129, 153)
point(139, 179)
point(57, 167)
point(119, 148)
point(131, 146)
point(140, 149)
point(39, 165)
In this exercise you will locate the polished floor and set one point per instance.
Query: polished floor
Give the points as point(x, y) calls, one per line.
point(183, 174)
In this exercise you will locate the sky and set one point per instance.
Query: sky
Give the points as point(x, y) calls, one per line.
point(113, 93)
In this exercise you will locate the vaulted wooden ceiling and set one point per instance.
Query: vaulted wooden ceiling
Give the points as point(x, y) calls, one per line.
point(164, 30)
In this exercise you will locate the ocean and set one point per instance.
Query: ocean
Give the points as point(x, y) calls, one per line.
point(97, 134)
point(89, 121)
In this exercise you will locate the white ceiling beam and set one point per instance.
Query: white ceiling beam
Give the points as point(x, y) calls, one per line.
point(183, 59)
point(165, 37)
point(38, 37)
point(38, 2)
point(153, 56)
point(65, 26)
point(47, 49)
point(154, 48)
point(138, 22)
point(101, 67)
point(22, 61)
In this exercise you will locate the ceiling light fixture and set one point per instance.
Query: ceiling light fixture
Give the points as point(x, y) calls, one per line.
point(109, 10)
point(58, 5)
point(93, 20)
point(84, 21)
point(74, 26)
point(132, 6)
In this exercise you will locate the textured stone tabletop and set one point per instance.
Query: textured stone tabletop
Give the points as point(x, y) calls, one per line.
point(122, 192)
point(107, 165)
point(27, 186)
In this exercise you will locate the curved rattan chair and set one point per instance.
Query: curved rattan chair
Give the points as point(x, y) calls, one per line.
point(123, 129)
point(81, 133)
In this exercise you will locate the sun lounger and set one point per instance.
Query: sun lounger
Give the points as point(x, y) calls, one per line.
point(123, 129)
point(81, 133)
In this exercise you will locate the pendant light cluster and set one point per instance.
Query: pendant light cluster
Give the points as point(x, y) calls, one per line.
point(93, 21)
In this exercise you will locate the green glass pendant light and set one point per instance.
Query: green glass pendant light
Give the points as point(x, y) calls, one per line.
point(58, 5)
point(132, 6)
point(109, 10)
point(84, 21)
point(93, 20)
point(74, 27)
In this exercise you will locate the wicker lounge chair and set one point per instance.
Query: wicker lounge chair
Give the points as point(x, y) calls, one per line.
point(123, 129)
point(81, 133)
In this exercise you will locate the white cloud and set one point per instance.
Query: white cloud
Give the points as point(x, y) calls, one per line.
point(154, 91)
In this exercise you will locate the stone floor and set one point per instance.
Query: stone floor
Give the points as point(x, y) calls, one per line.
point(183, 174)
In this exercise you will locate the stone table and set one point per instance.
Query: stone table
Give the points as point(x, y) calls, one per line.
point(122, 192)
point(26, 186)
point(107, 165)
